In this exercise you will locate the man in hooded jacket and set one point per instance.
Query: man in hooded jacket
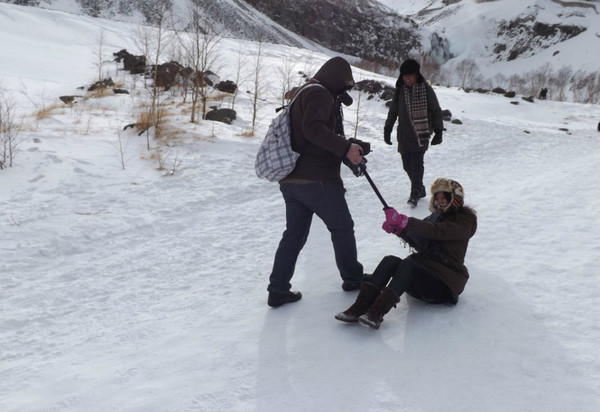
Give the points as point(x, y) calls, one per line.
point(315, 185)
point(416, 107)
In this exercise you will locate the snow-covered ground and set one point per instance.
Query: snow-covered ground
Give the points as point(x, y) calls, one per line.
point(128, 290)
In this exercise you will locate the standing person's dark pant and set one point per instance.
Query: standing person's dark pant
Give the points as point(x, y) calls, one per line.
point(327, 201)
point(413, 164)
point(406, 275)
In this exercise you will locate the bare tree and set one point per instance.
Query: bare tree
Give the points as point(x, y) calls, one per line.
point(285, 75)
point(444, 76)
point(258, 85)
point(200, 43)
point(430, 68)
point(9, 132)
point(239, 80)
point(500, 80)
point(467, 72)
point(585, 87)
point(560, 81)
point(99, 54)
point(160, 10)
point(120, 148)
point(152, 43)
point(142, 38)
point(538, 79)
point(517, 83)
point(358, 118)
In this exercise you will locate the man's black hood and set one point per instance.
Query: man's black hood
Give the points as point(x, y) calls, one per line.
point(335, 75)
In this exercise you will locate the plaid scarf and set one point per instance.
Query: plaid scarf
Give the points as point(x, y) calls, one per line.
point(416, 103)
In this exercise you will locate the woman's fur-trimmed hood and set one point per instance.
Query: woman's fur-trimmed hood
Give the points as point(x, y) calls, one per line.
point(455, 191)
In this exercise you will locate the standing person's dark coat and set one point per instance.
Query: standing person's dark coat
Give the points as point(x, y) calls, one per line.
point(315, 185)
point(416, 123)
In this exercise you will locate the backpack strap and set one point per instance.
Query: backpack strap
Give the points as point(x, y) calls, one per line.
point(306, 86)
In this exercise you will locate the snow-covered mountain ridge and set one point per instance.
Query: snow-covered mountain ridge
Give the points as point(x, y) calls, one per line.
point(503, 37)
point(511, 36)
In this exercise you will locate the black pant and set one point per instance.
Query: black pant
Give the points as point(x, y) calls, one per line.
point(327, 201)
point(407, 275)
point(413, 164)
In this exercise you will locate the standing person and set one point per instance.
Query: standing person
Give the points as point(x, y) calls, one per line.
point(416, 107)
point(315, 185)
point(435, 273)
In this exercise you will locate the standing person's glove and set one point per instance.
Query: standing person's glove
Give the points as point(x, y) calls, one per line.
point(365, 146)
point(387, 138)
point(437, 137)
point(394, 222)
point(356, 169)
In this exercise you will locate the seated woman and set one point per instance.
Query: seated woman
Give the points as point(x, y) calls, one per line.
point(435, 273)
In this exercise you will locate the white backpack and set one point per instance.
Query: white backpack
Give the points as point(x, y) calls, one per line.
point(275, 158)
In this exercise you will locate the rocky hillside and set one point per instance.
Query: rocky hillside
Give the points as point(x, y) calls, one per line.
point(502, 36)
point(529, 33)
point(366, 29)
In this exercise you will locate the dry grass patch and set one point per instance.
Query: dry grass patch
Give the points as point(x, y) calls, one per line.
point(46, 112)
point(169, 135)
point(145, 120)
point(218, 97)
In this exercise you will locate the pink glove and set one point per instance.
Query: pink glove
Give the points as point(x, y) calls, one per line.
point(394, 222)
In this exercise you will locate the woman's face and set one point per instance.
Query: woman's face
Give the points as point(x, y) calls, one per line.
point(440, 200)
point(409, 79)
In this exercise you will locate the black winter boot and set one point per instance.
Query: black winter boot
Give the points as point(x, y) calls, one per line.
point(384, 303)
point(350, 285)
point(367, 295)
point(279, 298)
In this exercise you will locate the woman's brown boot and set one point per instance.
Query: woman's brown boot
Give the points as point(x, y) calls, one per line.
point(367, 295)
point(382, 305)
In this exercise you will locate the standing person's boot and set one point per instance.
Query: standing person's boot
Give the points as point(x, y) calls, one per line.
point(280, 298)
point(384, 303)
point(413, 201)
point(350, 285)
point(367, 295)
point(416, 195)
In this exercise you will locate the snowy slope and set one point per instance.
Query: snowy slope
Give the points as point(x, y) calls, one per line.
point(130, 290)
point(472, 27)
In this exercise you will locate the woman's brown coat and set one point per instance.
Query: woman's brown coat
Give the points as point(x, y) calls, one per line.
point(452, 233)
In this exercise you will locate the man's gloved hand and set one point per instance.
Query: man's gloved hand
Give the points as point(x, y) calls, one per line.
point(437, 137)
point(394, 222)
point(387, 138)
point(365, 146)
point(356, 169)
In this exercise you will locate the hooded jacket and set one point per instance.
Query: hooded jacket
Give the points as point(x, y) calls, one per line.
point(406, 136)
point(313, 120)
